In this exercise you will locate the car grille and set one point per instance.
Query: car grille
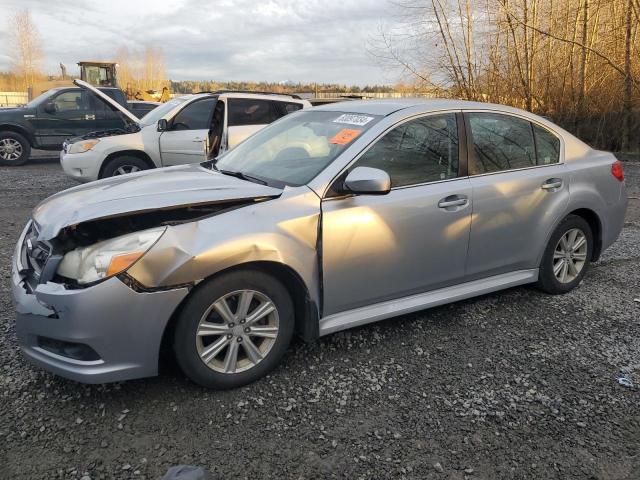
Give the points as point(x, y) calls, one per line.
point(34, 255)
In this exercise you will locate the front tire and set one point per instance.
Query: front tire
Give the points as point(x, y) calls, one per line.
point(123, 165)
point(567, 256)
point(234, 329)
point(14, 149)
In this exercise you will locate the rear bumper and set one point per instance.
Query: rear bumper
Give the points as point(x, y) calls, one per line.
point(83, 167)
point(122, 326)
point(614, 220)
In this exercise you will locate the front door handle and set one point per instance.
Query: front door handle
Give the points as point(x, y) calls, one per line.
point(552, 184)
point(89, 117)
point(198, 140)
point(453, 201)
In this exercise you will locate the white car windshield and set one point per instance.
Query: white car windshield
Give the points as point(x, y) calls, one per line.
point(293, 150)
point(157, 113)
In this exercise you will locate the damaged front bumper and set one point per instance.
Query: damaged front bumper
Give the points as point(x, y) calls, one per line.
point(104, 333)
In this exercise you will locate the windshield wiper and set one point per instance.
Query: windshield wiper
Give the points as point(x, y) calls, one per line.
point(242, 176)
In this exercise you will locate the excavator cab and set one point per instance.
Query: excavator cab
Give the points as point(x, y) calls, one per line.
point(99, 74)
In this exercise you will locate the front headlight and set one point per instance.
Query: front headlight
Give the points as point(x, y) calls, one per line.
point(110, 257)
point(81, 147)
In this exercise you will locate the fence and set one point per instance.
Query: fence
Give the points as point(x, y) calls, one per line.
point(13, 99)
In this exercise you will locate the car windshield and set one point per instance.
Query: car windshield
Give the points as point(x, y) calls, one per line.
point(295, 149)
point(40, 99)
point(157, 113)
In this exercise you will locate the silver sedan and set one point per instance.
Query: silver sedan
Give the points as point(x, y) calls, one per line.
point(328, 219)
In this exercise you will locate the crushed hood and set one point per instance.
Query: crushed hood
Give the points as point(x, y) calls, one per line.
point(108, 100)
point(151, 190)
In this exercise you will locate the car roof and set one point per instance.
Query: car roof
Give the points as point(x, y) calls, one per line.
point(389, 106)
point(279, 97)
point(74, 87)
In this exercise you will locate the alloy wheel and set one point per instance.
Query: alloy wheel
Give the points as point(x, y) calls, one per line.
point(237, 331)
point(124, 169)
point(10, 149)
point(570, 255)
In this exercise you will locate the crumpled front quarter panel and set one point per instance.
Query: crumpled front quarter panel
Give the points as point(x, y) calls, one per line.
point(282, 230)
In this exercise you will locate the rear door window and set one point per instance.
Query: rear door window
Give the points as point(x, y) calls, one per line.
point(500, 142)
point(103, 110)
point(115, 94)
point(249, 111)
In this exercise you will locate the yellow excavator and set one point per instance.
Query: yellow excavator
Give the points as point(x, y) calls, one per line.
point(149, 95)
point(99, 74)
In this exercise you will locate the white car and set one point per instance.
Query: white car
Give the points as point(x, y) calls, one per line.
point(184, 130)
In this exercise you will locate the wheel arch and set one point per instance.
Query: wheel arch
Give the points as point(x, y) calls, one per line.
point(594, 221)
point(9, 127)
point(126, 153)
point(307, 317)
point(595, 224)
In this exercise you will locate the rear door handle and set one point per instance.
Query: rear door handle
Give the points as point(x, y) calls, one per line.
point(198, 140)
point(453, 201)
point(552, 184)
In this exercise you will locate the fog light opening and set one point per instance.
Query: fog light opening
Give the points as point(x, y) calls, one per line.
point(75, 351)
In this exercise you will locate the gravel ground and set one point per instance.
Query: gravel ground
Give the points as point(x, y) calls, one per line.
point(517, 384)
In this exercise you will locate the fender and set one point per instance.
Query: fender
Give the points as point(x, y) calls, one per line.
point(28, 133)
point(254, 233)
point(133, 152)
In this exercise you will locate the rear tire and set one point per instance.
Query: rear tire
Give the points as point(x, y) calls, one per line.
point(123, 165)
point(14, 149)
point(567, 256)
point(219, 344)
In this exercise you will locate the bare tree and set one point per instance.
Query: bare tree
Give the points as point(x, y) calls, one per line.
point(153, 68)
point(573, 60)
point(628, 80)
point(25, 47)
point(140, 71)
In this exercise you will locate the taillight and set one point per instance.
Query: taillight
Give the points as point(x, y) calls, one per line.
point(616, 170)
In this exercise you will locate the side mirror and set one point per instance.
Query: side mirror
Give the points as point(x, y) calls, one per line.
point(368, 181)
point(50, 108)
point(162, 125)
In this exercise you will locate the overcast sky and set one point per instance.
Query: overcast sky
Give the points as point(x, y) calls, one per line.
point(273, 40)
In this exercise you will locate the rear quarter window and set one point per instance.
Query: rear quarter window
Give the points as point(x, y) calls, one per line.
point(547, 146)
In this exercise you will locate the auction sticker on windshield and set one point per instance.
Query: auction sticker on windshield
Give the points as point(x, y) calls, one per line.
point(352, 119)
point(344, 136)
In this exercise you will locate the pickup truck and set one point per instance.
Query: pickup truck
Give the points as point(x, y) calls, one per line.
point(58, 114)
